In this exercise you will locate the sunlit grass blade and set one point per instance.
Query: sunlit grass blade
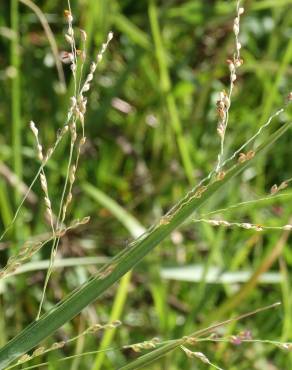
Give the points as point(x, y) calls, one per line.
point(214, 275)
point(60, 263)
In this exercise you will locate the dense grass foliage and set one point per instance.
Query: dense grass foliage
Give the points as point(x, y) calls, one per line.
point(151, 136)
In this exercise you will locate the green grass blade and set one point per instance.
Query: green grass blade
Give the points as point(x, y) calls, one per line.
point(125, 26)
point(5, 208)
point(15, 94)
point(166, 88)
point(127, 220)
point(270, 98)
point(214, 275)
point(135, 229)
point(15, 102)
point(60, 263)
point(124, 262)
point(116, 313)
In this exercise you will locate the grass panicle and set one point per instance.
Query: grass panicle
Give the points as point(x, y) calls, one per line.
point(25, 346)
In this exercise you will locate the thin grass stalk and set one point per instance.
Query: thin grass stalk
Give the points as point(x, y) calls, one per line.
point(56, 239)
point(15, 98)
point(254, 202)
point(112, 272)
point(62, 213)
point(51, 38)
point(247, 288)
point(181, 140)
point(48, 156)
point(154, 355)
point(116, 312)
point(77, 110)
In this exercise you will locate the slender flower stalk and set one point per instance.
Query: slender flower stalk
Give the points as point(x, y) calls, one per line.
point(224, 102)
point(76, 113)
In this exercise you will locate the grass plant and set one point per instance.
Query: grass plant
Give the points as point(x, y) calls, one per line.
point(133, 135)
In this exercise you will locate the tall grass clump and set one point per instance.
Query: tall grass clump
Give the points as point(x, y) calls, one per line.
point(25, 346)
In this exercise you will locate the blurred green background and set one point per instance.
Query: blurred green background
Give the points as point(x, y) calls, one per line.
point(151, 136)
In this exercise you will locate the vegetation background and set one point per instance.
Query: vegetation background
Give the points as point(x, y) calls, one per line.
point(153, 102)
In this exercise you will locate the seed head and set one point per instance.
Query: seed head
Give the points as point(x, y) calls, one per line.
point(33, 128)
point(83, 35)
point(68, 16)
point(240, 10)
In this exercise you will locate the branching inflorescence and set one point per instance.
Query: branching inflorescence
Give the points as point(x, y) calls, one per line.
point(76, 114)
point(74, 125)
point(224, 102)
